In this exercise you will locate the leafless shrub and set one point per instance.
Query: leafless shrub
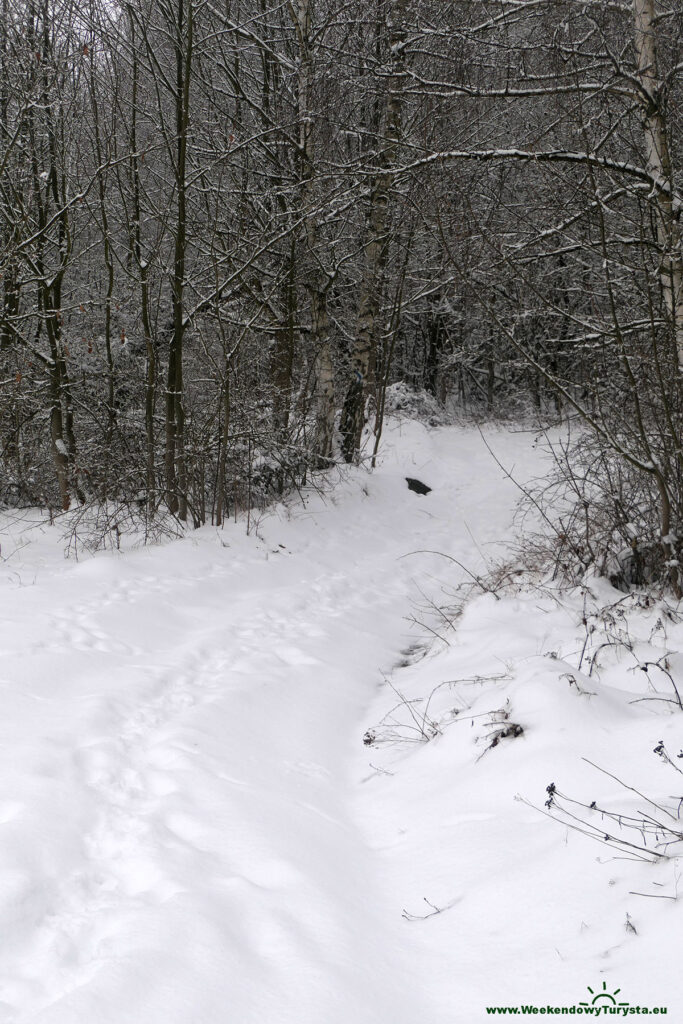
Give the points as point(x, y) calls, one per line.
point(595, 511)
point(650, 831)
point(501, 727)
point(412, 720)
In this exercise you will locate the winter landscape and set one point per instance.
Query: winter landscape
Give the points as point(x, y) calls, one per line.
point(241, 773)
point(341, 510)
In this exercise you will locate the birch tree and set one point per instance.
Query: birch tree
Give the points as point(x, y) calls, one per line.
point(375, 244)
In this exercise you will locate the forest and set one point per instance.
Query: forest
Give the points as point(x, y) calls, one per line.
point(229, 227)
point(341, 510)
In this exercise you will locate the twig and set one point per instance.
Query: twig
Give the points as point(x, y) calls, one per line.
point(651, 895)
point(631, 788)
point(442, 554)
point(423, 917)
point(646, 856)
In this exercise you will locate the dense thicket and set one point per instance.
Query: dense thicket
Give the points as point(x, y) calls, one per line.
point(226, 227)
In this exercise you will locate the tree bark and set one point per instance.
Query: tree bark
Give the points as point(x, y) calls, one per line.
point(376, 246)
point(659, 165)
point(176, 470)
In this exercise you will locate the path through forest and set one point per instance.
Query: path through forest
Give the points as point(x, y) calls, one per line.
point(181, 735)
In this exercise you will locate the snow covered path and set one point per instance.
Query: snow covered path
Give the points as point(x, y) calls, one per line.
point(181, 731)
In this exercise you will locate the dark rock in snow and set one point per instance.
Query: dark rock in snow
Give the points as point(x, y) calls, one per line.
point(417, 486)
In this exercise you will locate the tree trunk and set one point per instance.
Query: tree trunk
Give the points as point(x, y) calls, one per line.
point(316, 283)
point(659, 165)
point(376, 247)
point(324, 376)
point(176, 470)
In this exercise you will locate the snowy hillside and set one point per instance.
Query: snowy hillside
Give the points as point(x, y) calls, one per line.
point(260, 778)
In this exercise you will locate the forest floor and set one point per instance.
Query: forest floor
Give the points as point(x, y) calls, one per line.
point(193, 830)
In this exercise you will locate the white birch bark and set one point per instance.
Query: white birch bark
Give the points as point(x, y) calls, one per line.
point(325, 407)
point(659, 166)
point(376, 245)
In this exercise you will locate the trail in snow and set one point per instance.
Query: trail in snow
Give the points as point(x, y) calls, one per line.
point(179, 840)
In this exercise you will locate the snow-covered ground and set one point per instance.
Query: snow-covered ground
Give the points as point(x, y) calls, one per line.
point(193, 830)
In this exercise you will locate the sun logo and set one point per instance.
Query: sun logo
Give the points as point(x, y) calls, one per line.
point(607, 998)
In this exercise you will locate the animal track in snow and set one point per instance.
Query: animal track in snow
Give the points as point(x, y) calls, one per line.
point(129, 776)
point(70, 636)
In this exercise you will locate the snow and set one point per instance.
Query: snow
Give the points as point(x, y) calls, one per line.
point(193, 829)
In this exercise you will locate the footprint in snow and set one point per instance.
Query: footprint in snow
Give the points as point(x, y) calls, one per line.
point(294, 656)
point(310, 769)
